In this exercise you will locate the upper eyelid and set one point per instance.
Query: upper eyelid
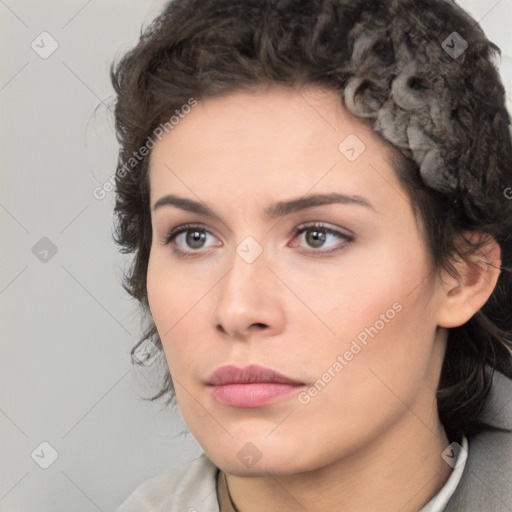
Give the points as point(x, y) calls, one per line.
point(323, 225)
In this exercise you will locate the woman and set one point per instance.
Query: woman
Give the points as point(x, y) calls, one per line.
point(316, 196)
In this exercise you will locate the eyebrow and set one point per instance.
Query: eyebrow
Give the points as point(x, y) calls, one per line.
point(279, 209)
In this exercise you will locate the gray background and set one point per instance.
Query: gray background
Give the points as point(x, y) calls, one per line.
point(66, 324)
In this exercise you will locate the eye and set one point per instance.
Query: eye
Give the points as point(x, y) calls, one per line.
point(188, 239)
point(189, 236)
point(317, 236)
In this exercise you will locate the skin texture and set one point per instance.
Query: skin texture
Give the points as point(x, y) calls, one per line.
point(371, 438)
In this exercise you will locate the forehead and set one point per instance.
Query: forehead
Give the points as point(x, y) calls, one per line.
point(308, 114)
point(278, 138)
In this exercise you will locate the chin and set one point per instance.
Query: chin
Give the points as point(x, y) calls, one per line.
point(249, 460)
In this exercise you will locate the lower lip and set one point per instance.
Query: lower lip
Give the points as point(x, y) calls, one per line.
point(255, 394)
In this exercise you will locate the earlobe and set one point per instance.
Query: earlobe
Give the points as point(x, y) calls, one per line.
point(465, 294)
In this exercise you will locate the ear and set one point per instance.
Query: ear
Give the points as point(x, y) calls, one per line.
point(464, 295)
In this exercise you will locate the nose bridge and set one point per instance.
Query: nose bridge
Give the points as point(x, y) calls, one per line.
point(247, 279)
point(247, 295)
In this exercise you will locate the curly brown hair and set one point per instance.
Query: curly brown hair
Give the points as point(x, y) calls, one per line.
point(433, 93)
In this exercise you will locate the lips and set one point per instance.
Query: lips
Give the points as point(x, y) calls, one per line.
point(250, 374)
point(251, 386)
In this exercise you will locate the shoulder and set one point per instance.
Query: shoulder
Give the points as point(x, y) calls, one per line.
point(486, 483)
point(188, 488)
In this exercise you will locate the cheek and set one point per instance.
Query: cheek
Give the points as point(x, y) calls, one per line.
point(178, 303)
point(351, 296)
point(380, 320)
point(169, 298)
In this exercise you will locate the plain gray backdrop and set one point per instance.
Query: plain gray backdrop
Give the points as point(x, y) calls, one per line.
point(75, 433)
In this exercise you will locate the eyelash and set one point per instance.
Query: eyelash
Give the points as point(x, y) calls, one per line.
point(348, 239)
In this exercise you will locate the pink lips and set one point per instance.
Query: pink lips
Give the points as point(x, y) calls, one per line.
point(251, 386)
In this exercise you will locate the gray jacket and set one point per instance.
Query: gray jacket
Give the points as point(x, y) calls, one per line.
point(485, 486)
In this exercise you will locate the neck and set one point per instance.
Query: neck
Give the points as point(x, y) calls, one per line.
point(401, 469)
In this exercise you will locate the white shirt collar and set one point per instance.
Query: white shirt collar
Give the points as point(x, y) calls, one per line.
point(440, 500)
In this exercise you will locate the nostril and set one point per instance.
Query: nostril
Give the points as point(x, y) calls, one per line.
point(221, 329)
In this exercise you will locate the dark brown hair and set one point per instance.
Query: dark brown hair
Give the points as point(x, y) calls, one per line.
point(435, 95)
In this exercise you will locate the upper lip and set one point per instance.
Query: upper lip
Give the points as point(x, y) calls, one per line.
point(231, 374)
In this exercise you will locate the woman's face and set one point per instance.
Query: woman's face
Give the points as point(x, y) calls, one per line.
point(346, 308)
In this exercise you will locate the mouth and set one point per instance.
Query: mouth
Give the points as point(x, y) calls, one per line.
point(250, 387)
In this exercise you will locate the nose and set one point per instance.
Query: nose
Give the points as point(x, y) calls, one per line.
point(248, 300)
